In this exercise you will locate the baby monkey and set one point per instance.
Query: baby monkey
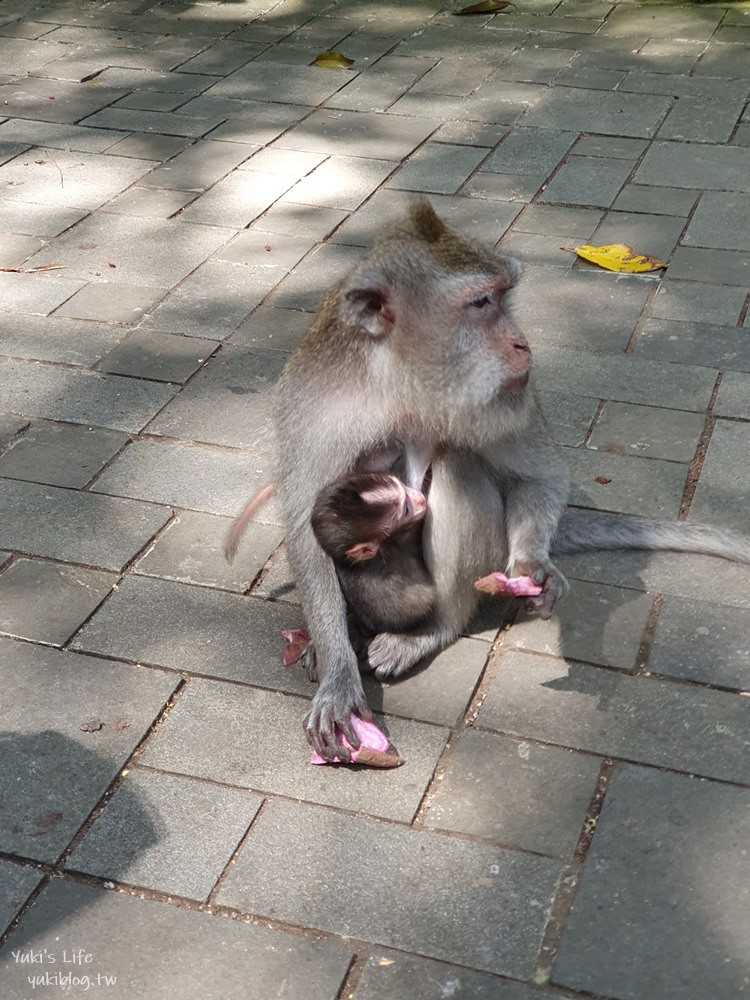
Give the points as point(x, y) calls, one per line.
point(369, 523)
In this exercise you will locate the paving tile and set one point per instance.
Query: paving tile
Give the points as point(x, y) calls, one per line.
point(657, 236)
point(701, 578)
point(696, 119)
point(692, 23)
point(742, 135)
point(57, 136)
point(79, 396)
point(297, 163)
point(438, 167)
point(701, 642)
point(720, 267)
point(54, 693)
point(272, 329)
point(289, 219)
point(191, 551)
point(624, 429)
point(150, 203)
point(47, 602)
point(478, 897)
point(111, 303)
point(610, 147)
point(251, 123)
point(15, 249)
point(697, 303)
point(201, 946)
point(197, 167)
point(581, 181)
point(373, 91)
point(655, 200)
point(546, 793)
point(568, 416)
point(259, 249)
point(591, 77)
point(453, 76)
point(574, 223)
point(162, 356)
point(151, 100)
point(723, 494)
point(342, 182)
point(439, 692)
point(582, 309)
point(598, 111)
point(54, 100)
point(392, 975)
point(278, 583)
point(671, 84)
point(227, 402)
point(90, 179)
point(237, 199)
point(50, 338)
point(483, 134)
point(274, 81)
point(670, 55)
point(26, 293)
point(678, 387)
point(145, 252)
point(505, 187)
point(166, 833)
point(727, 62)
point(36, 220)
point(725, 347)
point(61, 454)
point(141, 146)
point(530, 150)
point(17, 885)
point(646, 486)
point(733, 399)
point(615, 714)
point(368, 135)
point(221, 58)
point(722, 219)
point(78, 527)
point(187, 743)
point(165, 123)
point(10, 427)
point(535, 64)
point(305, 287)
point(682, 853)
point(695, 165)
point(215, 481)
point(532, 248)
point(595, 623)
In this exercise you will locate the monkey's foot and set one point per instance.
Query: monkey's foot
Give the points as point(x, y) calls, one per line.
point(374, 748)
point(553, 586)
point(500, 585)
point(390, 654)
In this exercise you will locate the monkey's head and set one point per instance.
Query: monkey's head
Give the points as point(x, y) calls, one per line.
point(354, 515)
point(432, 306)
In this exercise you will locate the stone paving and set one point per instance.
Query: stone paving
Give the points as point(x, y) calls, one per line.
point(573, 818)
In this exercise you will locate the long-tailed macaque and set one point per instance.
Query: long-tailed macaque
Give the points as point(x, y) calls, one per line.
point(416, 345)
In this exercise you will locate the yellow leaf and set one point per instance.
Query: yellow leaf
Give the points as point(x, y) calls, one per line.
point(330, 59)
point(386, 961)
point(485, 7)
point(618, 257)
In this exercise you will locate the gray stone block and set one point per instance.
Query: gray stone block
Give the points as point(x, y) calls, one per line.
point(667, 862)
point(227, 402)
point(722, 219)
point(15, 249)
point(110, 303)
point(720, 267)
point(530, 151)
point(231, 734)
point(203, 947)
point(483, 134)
point(150, 252)
point(374, 91)
point(258, 249)
point(505, 187)
point(37, 294)
point(725, 347)
point(251, 123)
point(54, 693)
point(544, 799)
point(142, 146)
point(310, 221)
point(610, 147)
point(392, 975)
point(61, 454)
point(733, 399)
point(695, 119)
point(305, 287)
point(151, 100)
point(641, 81)
point(694, 302)
point(80, 396)
point(655, 200)
point(692, 23)
point(191, 551)
point(384, 137)
point(57, 136)
point(272, 329)
point(670, 55)
point(536, 64)
point(53, 100)
point(581, 181)
point(693, 165)
point(598, 111)
point(222, 58)
point(657, 235)
point(166, 833)
point(650, 487)
point(10, 427)
point(589, 311)
point(162, 356)
point(47, 602)
point(613, 714)
point(17, 885)
point(199, 166)
point(624, 429)
point(51, 338)
point(723, 494)
point(568, 417)
point(573, 223)
point(237, 199)
point(678, 387)
point(75, 527)
point(295, 162)
point(90, 179)
point(453, 76)
point(342, 182)
point(149, 203)
point(467, 903)
point(701, 642)
point(196, 630)
point(276, 81)
point(726, 62)
point(36, 220)
point(163, 122)
point(593, 77)
point(595, 623)
point(438, 167)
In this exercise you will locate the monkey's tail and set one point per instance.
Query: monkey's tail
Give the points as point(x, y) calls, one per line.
point(589, 530)
point(240, 522)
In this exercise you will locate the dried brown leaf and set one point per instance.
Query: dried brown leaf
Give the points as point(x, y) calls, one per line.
point(485, 7)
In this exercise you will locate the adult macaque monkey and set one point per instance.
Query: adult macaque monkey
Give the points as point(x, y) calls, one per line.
point(416, 345)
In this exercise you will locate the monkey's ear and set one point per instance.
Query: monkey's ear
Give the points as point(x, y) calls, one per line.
point(370, 309)
point(427, 223)
point(362, 551)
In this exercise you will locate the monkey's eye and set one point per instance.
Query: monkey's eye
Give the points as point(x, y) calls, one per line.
point(408, 510)
point(482, 301)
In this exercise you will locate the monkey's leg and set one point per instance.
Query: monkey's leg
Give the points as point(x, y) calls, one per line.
point(463, 538)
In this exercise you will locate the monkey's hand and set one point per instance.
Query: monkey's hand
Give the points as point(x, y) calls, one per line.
point(340, 694)
point(548, 576)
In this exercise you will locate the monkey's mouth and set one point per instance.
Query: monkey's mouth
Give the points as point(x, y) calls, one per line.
point(517, 383)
